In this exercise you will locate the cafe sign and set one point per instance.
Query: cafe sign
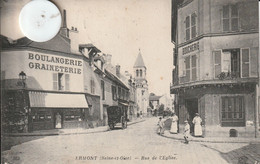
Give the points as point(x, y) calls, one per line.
point(190, 48)
point(54, 63)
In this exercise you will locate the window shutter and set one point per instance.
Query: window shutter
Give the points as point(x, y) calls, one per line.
point(187, 67)
point(217, 62)
point(194, 68)
point(187, 22)
point(67, 82)
point(226, 18)
point(245, 62)
point(254, 61)
point(226, 61)
point(55, 81)
point(193, 25)
point(234, 18)
point(182, 67)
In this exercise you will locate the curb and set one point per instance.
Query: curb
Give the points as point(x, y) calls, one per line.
point(61, 133)
point(209, 141)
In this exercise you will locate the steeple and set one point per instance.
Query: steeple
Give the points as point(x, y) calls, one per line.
point(139, 60)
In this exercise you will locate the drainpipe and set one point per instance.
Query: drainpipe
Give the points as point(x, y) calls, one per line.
point(256, 111)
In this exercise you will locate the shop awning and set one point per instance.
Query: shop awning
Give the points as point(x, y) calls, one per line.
point(57, 100)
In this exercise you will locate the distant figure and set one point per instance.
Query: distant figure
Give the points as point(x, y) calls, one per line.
point(141, 114)
point(160, 126)
point(197, 125)
point(58, 121)
point(174, 127)
point(186, 132)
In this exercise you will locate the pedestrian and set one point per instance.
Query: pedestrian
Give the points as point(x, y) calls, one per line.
point(141, 114)
point(174, 125)
point(160, 126)
point(58, 121)
point(197, 125)
point(186, 132)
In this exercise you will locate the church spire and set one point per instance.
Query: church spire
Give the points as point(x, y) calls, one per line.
point(139, 60)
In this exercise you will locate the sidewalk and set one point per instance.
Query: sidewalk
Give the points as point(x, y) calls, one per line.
point(67, 131)
point(179, 136)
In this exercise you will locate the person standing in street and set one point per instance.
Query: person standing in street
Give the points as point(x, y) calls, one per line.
point(58, 121)
point(186, 132)
point(174, 125)
point(160, 126)
point(197, 125)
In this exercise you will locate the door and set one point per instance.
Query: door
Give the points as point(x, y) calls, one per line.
point(192, 109)
point(58, 119)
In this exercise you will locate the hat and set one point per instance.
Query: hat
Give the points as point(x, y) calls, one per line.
point(197, 114)
point(185, 121)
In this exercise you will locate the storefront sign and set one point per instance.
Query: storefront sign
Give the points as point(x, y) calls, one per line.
point(190, 48)
point(57, 64)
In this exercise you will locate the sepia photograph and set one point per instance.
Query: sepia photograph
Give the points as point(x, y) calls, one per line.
point(130, 81)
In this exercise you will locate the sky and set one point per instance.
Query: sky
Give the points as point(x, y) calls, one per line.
point(116, 27)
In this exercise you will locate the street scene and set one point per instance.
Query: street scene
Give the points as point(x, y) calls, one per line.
point(134, 81)
point(139, 143)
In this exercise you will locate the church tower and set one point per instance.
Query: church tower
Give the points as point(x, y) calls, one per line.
point(142, 95)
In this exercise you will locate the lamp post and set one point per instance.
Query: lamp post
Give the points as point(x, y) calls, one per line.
point(22, 77)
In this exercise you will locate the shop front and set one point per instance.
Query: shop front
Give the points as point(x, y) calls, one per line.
point(56, 110)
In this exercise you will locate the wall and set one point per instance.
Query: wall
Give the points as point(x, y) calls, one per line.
point(39, 78)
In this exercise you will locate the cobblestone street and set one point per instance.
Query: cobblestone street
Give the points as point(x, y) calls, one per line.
point(137, 144)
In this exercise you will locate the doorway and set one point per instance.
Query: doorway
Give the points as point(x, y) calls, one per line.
point(58, 119)
point(192, 109)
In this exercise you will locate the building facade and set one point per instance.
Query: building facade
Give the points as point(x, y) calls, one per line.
point(216, 64)
point(142, 93)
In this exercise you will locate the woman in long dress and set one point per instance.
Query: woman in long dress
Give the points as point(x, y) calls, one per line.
point(197, 125)
point(174, 127)
point(58, 121)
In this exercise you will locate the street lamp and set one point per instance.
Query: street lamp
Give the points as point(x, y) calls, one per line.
point(22, 77)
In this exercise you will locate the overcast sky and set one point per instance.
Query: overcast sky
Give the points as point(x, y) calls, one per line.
point(116, 27)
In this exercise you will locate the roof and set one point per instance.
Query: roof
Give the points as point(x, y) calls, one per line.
point(115, 79)
point(154, 98)
point(88, 46)
point(62, 46)
point(139, 61)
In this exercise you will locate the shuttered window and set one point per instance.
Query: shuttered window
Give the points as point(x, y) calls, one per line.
point(254, 54)
point(67, 82)
point(92, 86)
point(193, 67)
point(182, 71)
point(217, 62)
point(55, 81)
point(190, 26)
point(245, 62)
point(193, 25)
point(230, 18)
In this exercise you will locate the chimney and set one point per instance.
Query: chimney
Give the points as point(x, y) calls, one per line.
point(118, 71)
point(64, 30)
point(108, 59)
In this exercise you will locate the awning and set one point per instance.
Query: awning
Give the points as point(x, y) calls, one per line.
point(57, 100)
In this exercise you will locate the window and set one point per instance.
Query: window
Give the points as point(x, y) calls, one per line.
point(190, 26)
point(123, 94)
point(113, 88)
point(61, 81)
point(103, 89)
point(227, 63)
point(230, 18)
point(233, 113)
point(141, 73)
point(137, 73)
point(193, 67)
point(182, 71)
point(92, 86)
point(187, 68)
point(119, 93)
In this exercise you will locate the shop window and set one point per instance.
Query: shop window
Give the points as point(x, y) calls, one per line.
point(233, 112)
point(114, 95)
point(190, 26)
point(230, 18)
point(103, 89)
point(92, 86)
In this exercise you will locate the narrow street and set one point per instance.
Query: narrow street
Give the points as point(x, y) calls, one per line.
point(137, 144)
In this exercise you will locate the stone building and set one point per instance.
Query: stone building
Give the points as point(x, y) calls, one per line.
point(216, 63)
point(142, 94)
